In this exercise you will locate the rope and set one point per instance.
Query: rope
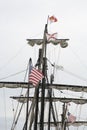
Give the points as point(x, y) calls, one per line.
point(62, 69)
point(79, 59)
point(17, 53)
point(13, 75)
point(14, 122)
point(80, 109)
point(65, 70)
point(75, 75)
point(79, 114)
point(12, 58)
point(4, 97)
point(53, 95)
point(16, 117)
point(56, 112)
point(70, 73)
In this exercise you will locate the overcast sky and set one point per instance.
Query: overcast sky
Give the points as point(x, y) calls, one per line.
point(22, 19)
point(26, 19)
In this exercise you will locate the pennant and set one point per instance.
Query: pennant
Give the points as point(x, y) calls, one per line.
point(51, 37)
point(52, 19)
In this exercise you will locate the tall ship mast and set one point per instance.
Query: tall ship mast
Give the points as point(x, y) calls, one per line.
point(41, 108)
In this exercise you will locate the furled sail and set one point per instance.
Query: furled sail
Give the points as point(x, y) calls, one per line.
point(15, 85)
point(54, 99)
point(32, 42)
point(62, 42)
point(75, 88)
point(76, 123)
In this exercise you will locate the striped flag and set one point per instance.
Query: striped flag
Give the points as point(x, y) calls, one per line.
point(51, 37)
point(35, 76)
point(52, 19)
point(71, 118)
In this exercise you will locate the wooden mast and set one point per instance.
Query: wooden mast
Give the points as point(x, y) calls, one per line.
point(37, 92)
point(43, 80)
point(41, 60)
point(26, 125)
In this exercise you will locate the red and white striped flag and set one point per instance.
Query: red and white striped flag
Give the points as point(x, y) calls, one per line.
point(52, 19)
point(71, 118)
point(35, 76)
point(51, 37)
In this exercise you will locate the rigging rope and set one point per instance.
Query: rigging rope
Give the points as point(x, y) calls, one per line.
point(17, 53)
point(62, 69)
point(77, 76)
point(16, 117)
point(65, 70)
point(56, 110)
point(13, 75)
point(80, 109)
point(70, 73)
point(57, 67)
point(52, 73)
point(12, 58)
point(79, 59)
point(4, 97)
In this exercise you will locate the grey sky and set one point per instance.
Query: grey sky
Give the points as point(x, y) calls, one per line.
point(26, 19)
point(22, 19)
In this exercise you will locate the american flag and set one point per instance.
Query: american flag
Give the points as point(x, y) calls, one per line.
point(71, 118)
point(35, 76)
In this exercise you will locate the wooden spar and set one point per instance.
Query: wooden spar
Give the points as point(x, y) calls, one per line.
point(13, 85)
point(64, 117)
point(37, 92)
point(49, 116)
point(26, 126)
point(43, 80)
point(54, 99)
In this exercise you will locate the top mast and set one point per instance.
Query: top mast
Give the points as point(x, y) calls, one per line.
point(44, 79)
point(41, 61)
